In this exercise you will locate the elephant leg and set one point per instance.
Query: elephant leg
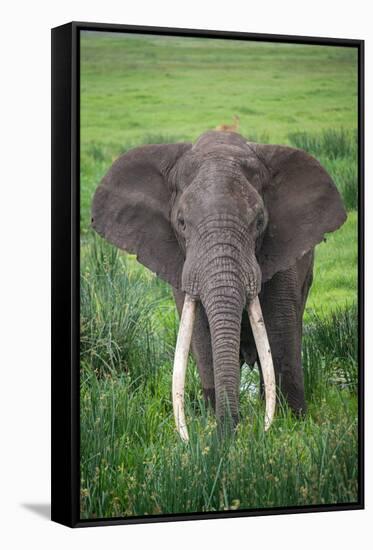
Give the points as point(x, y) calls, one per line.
point(283, 300)
point(201, 348)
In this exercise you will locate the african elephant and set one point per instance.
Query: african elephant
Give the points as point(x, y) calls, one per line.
point(225, 221)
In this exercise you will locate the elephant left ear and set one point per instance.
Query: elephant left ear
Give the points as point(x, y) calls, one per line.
point(303, 204)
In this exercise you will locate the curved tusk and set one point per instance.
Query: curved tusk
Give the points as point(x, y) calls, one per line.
point(265, 357)
point(180, 364)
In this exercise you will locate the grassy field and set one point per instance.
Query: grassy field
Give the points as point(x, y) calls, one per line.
point(137, 90)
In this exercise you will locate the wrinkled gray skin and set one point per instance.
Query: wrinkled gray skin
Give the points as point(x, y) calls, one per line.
point(223, 220)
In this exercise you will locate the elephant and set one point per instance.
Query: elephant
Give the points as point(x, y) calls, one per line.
point(232, 226)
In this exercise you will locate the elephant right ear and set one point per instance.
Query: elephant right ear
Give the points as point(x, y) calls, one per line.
point(303, 204)
point(131, 208)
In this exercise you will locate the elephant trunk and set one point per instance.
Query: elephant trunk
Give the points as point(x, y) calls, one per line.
point(223, 295)
point(224, 315)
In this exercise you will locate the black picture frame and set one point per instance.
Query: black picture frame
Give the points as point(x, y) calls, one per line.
point(65, 269)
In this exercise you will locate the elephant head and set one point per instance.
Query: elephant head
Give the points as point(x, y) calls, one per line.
point(217, 219)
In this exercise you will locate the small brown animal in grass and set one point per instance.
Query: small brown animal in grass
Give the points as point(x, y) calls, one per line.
point(230, 127)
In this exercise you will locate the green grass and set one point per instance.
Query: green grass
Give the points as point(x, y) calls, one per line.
point(136, 90)
point(133, 463)
point(175, 86)
point(335, 273)
point(331, 143)
point(122, 307)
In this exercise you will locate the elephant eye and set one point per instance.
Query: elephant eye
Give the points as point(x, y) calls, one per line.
point(260, 222)
point(181, 221)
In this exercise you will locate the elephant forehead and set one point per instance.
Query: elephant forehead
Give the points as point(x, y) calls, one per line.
point(220, 158)
point(222, 162)
point(223, 169)
point(234, 194)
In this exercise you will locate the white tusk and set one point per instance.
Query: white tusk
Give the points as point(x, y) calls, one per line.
point(265, 357)
point(180, 364)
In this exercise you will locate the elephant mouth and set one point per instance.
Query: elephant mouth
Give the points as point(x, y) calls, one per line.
point(181, 359)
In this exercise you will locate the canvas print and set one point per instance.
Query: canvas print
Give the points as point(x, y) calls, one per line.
point(218, 275)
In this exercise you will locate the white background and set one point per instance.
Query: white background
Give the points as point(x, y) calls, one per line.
point(25, 272)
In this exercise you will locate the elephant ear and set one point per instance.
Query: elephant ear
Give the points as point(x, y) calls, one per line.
point(303, 204)
point(131, 208)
